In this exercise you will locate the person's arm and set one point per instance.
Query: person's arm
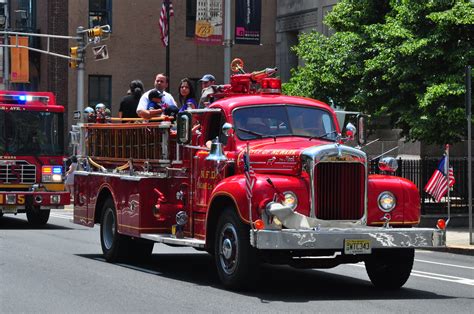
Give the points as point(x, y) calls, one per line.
point(120, 114)
point(142, 108)
point(147, 114)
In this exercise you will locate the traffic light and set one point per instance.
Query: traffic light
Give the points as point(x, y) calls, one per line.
point(95, 32)
point(73, 53)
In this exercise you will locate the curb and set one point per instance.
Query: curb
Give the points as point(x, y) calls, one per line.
point(452, 249)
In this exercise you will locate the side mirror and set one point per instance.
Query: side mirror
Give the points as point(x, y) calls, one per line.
point(226, 127)
point(350, 131)
point(361, 129)
point(184, 121)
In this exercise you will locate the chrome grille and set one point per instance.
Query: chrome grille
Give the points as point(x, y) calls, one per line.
point(17, 172)
point(339, 189)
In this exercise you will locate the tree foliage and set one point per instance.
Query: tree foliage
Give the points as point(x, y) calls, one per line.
point(399, 59)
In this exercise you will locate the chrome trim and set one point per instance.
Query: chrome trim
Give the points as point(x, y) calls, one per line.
point(332, 153)
point(333, 238)
point(170, 239)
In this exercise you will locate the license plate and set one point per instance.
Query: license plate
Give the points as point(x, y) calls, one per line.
point(9, 209)
point(352, 246)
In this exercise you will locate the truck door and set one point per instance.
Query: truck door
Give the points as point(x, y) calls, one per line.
point(206, 173)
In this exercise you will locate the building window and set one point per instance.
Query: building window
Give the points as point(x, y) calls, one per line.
point(100, 90)
point(190, 18)
point(100, 13)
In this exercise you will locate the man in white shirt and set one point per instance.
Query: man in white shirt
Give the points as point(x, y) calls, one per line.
point(161, 83)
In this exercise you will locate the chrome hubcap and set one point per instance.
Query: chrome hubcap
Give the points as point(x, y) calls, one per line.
point(228, 248)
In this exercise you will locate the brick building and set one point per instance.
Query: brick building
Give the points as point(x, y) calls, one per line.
point(135, 49)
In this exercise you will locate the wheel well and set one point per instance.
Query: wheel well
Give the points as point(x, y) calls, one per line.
point(219, 204)
point(103, 196)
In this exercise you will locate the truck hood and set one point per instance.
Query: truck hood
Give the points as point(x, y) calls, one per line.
point(286, 156)
point(282, 156)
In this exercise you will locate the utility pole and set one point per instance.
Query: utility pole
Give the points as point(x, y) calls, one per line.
point(80, 69)
point(469, 152)
point(227, 41)
point(6, 51)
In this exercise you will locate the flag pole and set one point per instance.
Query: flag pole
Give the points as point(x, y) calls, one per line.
point(250, 199)
point(446, 171)
point(167, 3)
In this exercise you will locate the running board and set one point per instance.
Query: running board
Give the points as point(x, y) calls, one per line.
point(170, 239)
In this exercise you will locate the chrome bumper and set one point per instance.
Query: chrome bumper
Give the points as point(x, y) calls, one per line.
point(333, 238)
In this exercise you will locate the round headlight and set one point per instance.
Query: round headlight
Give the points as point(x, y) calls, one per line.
point(387, 201)
point(290, 200)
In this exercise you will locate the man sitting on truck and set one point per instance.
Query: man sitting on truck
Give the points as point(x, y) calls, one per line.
point(161, 83)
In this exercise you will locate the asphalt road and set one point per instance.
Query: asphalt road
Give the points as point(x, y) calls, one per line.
point(60, 269)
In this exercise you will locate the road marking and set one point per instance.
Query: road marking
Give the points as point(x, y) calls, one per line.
point(461, 280)
point(444, 264)
point(62, 216)
point(423, 274)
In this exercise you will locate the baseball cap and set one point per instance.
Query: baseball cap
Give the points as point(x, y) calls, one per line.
point(155, 94)
point(207, 78)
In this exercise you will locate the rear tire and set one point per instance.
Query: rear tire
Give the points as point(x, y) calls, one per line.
point(37, 216)
point(115, 246)
point(390, 268)
point(236, 260)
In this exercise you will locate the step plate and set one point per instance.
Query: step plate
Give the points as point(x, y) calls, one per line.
point(170, 239)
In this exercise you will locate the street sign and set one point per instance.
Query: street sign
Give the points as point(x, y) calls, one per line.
point(76, 115)
point(100, 53)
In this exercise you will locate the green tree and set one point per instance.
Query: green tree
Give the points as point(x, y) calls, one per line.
point(401, 59)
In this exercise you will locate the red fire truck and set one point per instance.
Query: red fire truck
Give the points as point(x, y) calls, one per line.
point(258, 177)
point(31, 155)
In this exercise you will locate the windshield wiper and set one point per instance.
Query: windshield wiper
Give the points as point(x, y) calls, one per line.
point(322, 136)
point(250, 132)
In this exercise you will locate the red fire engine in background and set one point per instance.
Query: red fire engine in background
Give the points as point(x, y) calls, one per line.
point(31, 155)
point(256, 177)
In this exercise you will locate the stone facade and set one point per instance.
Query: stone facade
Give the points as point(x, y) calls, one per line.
point(295, 17)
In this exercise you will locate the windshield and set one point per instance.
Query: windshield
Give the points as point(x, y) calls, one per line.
point(31, 133)
point(283, 120)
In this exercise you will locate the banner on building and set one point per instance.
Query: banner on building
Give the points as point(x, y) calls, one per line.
point(248, 16)
point(208, 22)
point(2, 73)
point(20, 63)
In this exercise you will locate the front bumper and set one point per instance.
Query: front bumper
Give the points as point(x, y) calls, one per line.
point(334, 238)
point(17, 202)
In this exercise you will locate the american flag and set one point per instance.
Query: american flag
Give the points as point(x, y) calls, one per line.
point(164, 22)
point(249, 175)
point(437, 186)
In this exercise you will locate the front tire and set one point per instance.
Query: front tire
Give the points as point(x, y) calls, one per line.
point(114, 245)
point(235, 259)
point(37, 216)
point(390, 268)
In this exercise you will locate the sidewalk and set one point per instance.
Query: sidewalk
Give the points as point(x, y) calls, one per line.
point(457, 241)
